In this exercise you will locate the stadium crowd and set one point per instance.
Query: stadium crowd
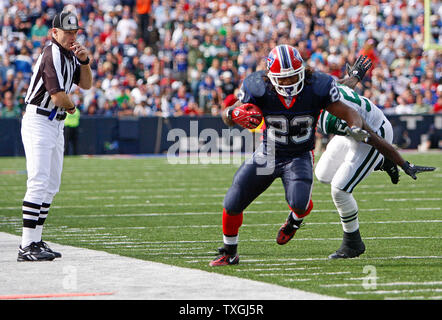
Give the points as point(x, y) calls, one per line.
point(187, 57)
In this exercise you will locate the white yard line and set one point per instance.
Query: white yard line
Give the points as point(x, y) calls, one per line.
point(326, 259)
point(386, 284)
point(392, 291)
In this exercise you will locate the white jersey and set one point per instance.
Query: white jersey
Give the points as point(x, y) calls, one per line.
point(368, 111)
point(366, 108)
point(346, 162)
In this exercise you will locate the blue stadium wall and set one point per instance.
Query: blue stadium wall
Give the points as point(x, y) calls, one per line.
point(149, 135)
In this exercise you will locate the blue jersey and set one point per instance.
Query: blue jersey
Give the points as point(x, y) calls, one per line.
point(290, 123)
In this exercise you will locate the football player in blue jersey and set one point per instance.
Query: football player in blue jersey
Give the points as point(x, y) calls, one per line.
point(291, 98)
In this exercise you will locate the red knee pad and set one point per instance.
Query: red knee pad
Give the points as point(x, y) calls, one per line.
point(309, 209)
point(231, 223)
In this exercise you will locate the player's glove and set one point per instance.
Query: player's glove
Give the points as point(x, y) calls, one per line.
point(247, 116)
point(412, 170)
point(357, 133)
point(361, 66)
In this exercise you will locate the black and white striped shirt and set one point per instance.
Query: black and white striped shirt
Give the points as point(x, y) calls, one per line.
point(55, 70)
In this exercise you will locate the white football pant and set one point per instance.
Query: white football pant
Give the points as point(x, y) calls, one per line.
point(43, 143)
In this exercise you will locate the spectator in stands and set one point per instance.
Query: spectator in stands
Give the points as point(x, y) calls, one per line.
point(227, 86)
point(143, 8)
point(192, 109)
point(180, 62)
point(437, 107)
point(39, 32)
point(419, 106)
point(429, 97)
point(113, 91)
point(181, 99)
point(125, 110)
point(126, 27)
point(8, 84)
point(403, 107)
point(141, 109)
point(150, 39)
point(19, 84)
point(23, 63)
point(207, 93)
point(195, 77)
point(108, 109)
point(92, 108)
point(10, 109)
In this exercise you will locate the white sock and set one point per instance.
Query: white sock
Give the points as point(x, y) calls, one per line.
point(295, 217)
point(347, 208)
point(41, 220)
point(31, 212)
point(230, 240)
point(350, 223)
point(27, 237)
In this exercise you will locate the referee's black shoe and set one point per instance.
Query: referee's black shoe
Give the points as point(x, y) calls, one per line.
point(44, 246)
point(34, 252)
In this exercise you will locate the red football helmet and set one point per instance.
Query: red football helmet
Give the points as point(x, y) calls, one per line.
point(282, 62)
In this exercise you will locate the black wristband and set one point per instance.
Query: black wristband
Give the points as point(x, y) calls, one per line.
point(406, 166)
point(84, 62)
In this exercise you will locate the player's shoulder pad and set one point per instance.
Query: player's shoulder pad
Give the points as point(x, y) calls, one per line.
point(254, 84)
point(321, 83)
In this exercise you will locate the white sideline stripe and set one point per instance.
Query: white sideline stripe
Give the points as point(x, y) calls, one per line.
point(387, 284)
point(392, 291)
point(130, 278)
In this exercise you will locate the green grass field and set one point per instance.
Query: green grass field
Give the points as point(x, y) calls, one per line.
point(148, 209)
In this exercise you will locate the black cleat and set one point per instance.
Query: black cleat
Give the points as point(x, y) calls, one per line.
point(391, 169)
point(351, 247)
point(44, 246)
point(34, 252)
point(347, 252)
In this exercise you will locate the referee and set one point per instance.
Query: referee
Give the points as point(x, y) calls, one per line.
point(62, 63)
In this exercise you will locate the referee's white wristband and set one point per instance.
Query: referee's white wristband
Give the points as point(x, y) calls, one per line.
point(228, 113)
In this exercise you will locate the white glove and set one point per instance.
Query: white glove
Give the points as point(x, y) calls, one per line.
point(357, 133)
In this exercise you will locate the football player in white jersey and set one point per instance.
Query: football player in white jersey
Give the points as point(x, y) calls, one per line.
point(347, 162)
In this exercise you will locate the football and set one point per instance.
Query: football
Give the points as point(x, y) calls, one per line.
point(247, 115)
